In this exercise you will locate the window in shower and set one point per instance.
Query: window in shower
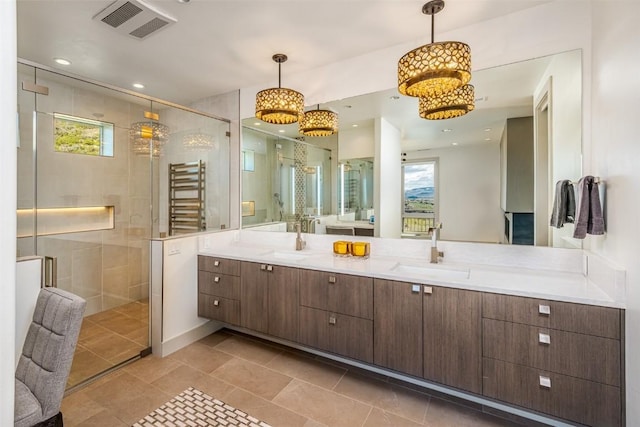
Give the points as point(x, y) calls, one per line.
point(82, 136)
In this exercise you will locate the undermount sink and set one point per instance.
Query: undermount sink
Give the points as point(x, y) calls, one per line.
point(434, 271)
point(287, 255)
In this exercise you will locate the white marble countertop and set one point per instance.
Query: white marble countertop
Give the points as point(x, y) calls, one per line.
point(554, 283)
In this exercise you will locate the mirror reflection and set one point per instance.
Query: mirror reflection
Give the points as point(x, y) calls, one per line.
point(494, 169)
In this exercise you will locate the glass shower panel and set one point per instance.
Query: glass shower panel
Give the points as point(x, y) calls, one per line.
point(93, 214)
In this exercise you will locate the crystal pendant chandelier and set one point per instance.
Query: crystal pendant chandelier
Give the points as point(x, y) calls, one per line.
point(319, 123)
point(449, 105)
point(435, 68)
point(279, 105)
point(148, 138)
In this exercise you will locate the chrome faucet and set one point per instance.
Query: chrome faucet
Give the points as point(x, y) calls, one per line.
point(300, 243)
point(435, 253)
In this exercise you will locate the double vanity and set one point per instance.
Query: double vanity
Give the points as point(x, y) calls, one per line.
point(526, 328)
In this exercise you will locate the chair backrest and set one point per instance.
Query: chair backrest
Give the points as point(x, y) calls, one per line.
point(345, 231)
point(48, 350)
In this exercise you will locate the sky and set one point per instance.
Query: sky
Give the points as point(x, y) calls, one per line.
point(419, 175)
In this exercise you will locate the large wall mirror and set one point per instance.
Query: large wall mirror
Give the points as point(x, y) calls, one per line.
point(496, 167)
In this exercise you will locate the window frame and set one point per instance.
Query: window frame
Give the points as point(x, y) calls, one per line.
point(107, 134)
point(432, 218)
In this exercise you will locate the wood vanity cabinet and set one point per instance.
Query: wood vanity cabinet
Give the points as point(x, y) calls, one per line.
point(430, 332)
point(336, 313)
point(269, 299)
point(558, 358)
point(219, 289)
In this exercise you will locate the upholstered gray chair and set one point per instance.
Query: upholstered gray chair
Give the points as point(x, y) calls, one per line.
point(46, 358)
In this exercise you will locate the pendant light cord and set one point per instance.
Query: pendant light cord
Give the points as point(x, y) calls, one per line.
point(279, 75)
point(433, 25)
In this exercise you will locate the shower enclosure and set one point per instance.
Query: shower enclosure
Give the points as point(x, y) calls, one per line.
point(93, 187)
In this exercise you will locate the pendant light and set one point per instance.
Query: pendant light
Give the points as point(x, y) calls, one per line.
point(319, 123)
point(279, 105)
point(435, 68)
point(148, 137)
point(449, 105)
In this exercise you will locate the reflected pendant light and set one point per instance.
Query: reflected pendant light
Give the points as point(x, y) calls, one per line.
point(148, 137)
point(434, 68)
point(279, 105)
point(452, 104)
point(319, 123)
point(197, 142)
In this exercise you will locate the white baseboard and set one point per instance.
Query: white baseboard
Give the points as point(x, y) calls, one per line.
point(174, 344)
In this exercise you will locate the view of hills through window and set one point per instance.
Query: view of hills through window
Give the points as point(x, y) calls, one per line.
point(419, 188)
point(82, 136)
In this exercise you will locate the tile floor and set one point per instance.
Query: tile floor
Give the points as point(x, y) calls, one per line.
point(109, 338)
point(278, 385)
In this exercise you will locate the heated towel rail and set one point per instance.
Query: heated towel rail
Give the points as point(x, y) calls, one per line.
point(186, 198)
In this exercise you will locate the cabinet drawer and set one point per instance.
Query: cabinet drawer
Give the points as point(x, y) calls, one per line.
point(217, 308)
point(574, 399)
point(577, 355)
point(219, 265)
point(340, 293)
point(584, 319)
point(217, 284)
point(345, 335)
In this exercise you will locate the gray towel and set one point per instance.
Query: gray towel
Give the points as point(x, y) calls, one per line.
point(589, 217)
point(564, 204)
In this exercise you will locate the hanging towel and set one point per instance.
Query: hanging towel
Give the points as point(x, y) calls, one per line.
point(564, 204)
point(588, 211)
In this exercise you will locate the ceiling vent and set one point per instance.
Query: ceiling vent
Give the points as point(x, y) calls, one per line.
point(134, 18)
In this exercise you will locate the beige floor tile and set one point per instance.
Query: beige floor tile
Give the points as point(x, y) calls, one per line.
point(392, 398)
point(103, 419)
point(202, 357)
point(104, 316)
point(78, 407)
point(380, 418)
point(183, 377)
point(89, 329)
point(140, 336)
point(123, 325)
point(252, 377)
point(128, 397)
point(137, 310)
point(264, 410)
point(215, 338)
point(442, 413)
point(248, 349)
point(151, 368)
point(313, 423)
point(111, 347)
point(85, 365)
point(307, 369)
point(322, 405)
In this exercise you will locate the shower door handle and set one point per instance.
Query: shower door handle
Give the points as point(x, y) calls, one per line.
point(50, 276)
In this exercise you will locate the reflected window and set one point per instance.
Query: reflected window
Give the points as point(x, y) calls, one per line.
point(419, 197)
point(82, 136)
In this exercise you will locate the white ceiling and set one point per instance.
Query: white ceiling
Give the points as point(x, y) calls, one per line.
point(218, 46)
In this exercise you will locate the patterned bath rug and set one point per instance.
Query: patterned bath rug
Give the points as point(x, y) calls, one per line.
point(193, 408)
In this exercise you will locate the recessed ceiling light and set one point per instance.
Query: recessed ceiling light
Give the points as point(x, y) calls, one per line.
point(184, 1)
point(62, 61)
point(454, 143)
point(138, 85)
point(354, 125)
point(446, 130)
point(257, 124)
point(281, 131)
point(487, 129)
point(487, 139)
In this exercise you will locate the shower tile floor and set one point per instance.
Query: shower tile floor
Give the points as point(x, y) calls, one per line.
point(109, 338)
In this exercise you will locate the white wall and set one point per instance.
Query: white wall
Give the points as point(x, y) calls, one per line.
point(468, 192)
point(8, 59)
point(356, 143)
point(387, 198)
point(614, 155)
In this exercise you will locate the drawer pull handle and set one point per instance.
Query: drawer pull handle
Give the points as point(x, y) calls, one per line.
point(332, 320)
point(544, 338)
point(428, 290)
point(332, 279)
point(216, 263)
point(545, 382)
point(544, 309)
point(415, 289)
point(216, 279)
point(216, 303)
point(269, 267)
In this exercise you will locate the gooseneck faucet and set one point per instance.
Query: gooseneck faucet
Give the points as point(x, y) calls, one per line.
point(435, 254)
point(300, 243)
